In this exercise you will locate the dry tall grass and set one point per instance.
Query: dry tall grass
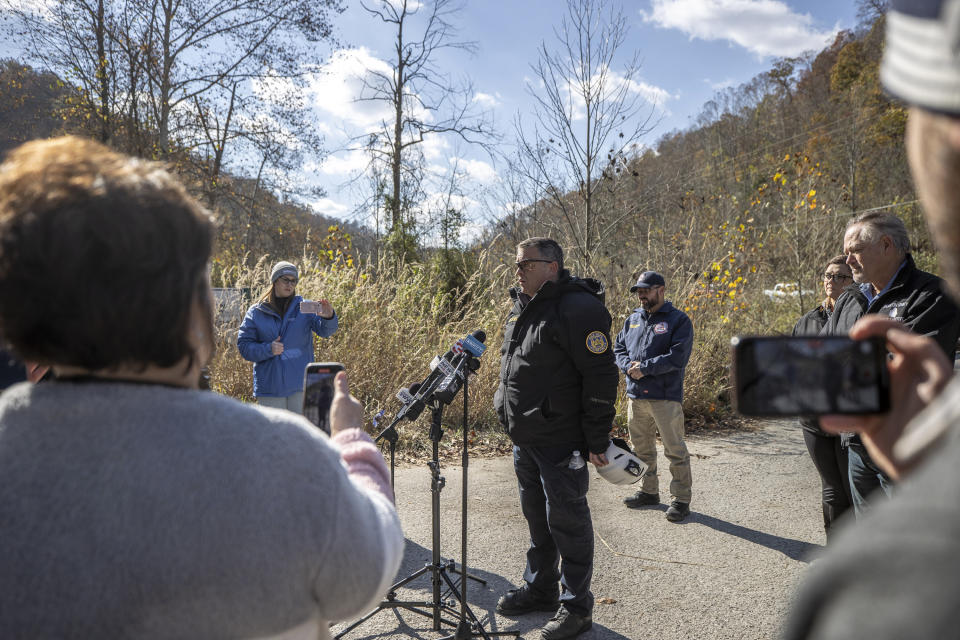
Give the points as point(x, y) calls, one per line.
point(393, 323)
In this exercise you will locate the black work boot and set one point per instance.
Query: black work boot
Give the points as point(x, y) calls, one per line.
point(641, 499)
point(525, 600)
point(678, 511)
point(566, 624)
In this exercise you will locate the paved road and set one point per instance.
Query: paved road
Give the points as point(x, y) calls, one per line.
point(726, 572)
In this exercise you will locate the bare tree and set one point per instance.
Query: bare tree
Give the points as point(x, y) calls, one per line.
point(177, 75)
point(423, 101)
point(588, 119)
point(71, 38)
point(869, 10)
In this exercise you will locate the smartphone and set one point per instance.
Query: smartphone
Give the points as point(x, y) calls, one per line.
point(310, 306)
point(810, 376)
point(318, 392)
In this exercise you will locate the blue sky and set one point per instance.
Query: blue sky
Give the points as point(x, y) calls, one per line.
point(689, 49)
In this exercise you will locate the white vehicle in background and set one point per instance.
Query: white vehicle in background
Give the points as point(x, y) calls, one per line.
point(786, 291)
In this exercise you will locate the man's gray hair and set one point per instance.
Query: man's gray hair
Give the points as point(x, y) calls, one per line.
point(547, 247)
point(876, 224)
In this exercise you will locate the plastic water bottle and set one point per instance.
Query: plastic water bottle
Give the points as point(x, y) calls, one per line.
point(576, 461)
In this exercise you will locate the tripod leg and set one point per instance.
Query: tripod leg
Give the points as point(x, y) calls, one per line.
point(473, 628)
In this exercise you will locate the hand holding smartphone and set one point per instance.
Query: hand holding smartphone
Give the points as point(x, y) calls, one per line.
point(810, 376)
point(318, 392)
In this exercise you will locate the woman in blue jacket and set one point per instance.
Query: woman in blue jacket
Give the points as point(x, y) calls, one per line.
point(277, 337)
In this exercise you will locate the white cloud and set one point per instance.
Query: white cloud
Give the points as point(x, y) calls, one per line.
point(335, 87)
point(764, 27)
point(434, 147)
point(652, 94)
point(328, 207)
point(477, 170)
point(45, 9)
point(438, 201)
point(345, 163)
point(486, 100)
point(726, 83)
point(614, 82)
point(412, 5)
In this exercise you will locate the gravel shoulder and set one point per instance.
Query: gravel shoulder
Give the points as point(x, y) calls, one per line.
point(726, 572)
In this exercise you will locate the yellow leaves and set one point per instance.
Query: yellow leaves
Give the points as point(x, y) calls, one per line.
point(812, 193)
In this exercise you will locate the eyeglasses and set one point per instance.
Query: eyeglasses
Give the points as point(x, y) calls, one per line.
point(288, 280)
point(836, 276)
point(525, 265)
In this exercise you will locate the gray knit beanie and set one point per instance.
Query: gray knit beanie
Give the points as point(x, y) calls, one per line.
point(283, 269)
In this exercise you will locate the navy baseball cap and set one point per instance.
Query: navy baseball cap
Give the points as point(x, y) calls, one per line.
point(921, 60)
point(648, 279)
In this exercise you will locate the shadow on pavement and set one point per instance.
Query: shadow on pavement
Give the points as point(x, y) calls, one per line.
point(794, 549)
point(481, 598)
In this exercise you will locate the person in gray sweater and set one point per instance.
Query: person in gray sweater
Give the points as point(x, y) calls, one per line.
point(133, 505)
point(896, 573)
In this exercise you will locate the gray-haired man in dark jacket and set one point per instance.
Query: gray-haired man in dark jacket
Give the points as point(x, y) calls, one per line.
point(887, 283)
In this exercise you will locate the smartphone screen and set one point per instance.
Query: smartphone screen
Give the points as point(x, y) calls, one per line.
point(318, 392)
point(809, 376)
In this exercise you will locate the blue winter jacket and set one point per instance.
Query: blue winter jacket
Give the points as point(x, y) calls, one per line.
point(280, 376)
point(661, 343)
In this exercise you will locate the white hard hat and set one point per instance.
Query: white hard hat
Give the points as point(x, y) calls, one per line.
point(622, 466)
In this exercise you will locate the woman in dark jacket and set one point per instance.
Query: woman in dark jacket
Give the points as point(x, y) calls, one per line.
point(829, 456)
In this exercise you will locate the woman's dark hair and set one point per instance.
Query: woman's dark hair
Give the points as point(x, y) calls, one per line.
point(102, 257)
point(841, 259)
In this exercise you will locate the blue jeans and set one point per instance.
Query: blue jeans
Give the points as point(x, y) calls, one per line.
point(865, 478)
point(553, 499)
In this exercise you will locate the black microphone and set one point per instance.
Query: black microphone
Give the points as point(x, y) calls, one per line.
point(443, 369)
point(466, 363)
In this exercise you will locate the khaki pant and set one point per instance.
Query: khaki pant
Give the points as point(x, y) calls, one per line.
point(293, 402)
point(645, 418)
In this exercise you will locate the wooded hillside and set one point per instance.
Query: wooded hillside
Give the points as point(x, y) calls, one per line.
point(756, 193)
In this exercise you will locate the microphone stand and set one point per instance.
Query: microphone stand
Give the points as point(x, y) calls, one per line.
point(391, 435)
point(468, 626)
point(472, 628)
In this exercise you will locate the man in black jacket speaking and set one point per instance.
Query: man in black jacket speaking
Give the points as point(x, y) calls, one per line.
point(558, 385)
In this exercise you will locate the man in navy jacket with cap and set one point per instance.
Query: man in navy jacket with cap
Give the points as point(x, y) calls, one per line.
point(652, 350)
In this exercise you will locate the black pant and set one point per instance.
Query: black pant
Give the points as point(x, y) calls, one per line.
point(830, 459)
point(553, 498)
